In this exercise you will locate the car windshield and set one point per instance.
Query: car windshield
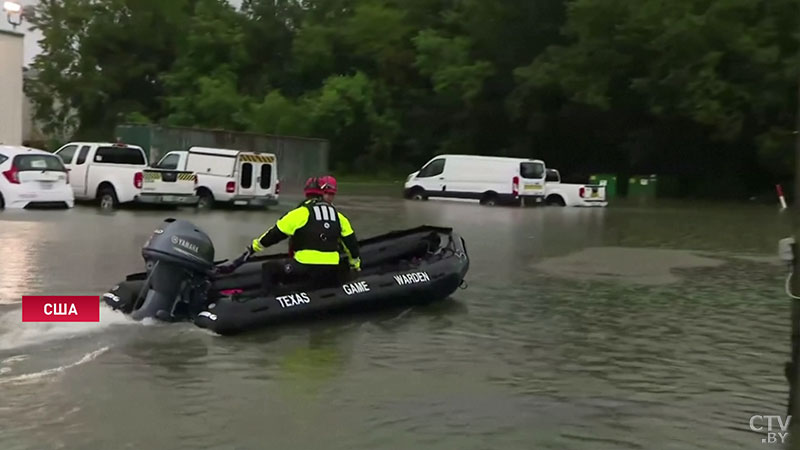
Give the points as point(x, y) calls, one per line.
point(38, 162)
point(531, 170)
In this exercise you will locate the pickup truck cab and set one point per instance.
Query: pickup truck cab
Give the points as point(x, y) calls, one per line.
point(228, 176)
point(116, 173)
point(565, 194)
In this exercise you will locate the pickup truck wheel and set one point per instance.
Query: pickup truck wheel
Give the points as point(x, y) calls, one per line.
point(206, 200)
point(108, 199)
point(555, 200)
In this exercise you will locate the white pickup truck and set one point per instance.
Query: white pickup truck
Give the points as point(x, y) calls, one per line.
point(557, 193)
point(116, 173)
point(228, 176)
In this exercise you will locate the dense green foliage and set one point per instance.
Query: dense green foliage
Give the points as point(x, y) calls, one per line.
point(701, 89)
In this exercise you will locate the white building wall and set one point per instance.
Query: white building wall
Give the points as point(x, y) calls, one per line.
point(11, 95)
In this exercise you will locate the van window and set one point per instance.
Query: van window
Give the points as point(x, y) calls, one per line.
point(552, 176)
point(3, 158)
point(67, 153)
point(38, 162)
point(531, 170)
point(169, 162)
point(266, 176)
point(247, 175)
point(119, 155)
point(435, 167)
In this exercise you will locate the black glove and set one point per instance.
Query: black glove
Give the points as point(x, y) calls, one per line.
point(226, 268)
point(248, 252)
point(233, 265)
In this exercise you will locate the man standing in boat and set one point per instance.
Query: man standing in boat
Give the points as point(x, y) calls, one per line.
point(315, 229)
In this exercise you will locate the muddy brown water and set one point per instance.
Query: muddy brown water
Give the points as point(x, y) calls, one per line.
point(619, 328)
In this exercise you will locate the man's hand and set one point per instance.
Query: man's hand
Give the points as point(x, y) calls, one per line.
point(355, 264)
point(226, 268)
point(248, 252)
point(233, 265)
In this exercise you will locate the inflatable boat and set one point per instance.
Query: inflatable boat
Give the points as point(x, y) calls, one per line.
point(180, 283)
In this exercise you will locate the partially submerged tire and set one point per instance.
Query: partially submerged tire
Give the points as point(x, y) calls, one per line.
point(555, 200)
point(108, 198)
point(489, 199)
point(417, 193)
point(206, 199)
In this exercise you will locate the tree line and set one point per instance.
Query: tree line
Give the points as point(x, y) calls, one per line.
point(702, 90)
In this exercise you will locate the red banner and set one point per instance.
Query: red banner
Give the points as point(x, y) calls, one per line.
point(60, 308)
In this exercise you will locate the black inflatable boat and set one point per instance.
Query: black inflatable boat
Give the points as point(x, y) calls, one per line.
point(406, 267)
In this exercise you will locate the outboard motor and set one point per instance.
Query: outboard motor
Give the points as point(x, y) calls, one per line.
point(179, 258)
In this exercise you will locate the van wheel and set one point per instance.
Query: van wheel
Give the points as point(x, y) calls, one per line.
point(2, 202)
point(206, 200)
point(555, 200)
point(108, 198)
point(417, 194)
point(489, 199)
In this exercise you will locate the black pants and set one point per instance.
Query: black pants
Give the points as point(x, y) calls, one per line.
point(310, 276)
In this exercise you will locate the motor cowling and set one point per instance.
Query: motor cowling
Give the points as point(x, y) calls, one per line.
point(178, 258)
point(181, 243)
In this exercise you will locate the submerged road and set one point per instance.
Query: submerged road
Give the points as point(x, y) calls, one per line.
point(617, 328)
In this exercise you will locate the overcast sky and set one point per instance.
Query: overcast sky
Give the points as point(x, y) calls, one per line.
point(32, 37)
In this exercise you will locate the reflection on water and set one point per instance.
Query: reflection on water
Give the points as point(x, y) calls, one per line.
point(616, 328)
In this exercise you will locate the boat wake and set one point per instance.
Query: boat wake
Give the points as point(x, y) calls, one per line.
point(47, 372)
point(14, 333)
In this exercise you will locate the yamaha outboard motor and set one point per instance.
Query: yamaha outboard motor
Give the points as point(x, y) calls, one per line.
point(179, 258)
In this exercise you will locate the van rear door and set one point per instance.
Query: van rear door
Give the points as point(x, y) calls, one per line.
point(266, 175)
point(256, 174)
point(532, 174)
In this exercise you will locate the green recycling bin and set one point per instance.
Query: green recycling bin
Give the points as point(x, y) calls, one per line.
point(643, 186)
point(607, 180)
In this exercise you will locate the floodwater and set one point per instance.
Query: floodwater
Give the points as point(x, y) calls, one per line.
point(627, 327)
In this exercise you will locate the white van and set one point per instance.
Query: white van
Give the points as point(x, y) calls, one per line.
point(490, 179)
point(228, 176)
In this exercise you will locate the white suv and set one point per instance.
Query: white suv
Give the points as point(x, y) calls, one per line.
point(30, 177)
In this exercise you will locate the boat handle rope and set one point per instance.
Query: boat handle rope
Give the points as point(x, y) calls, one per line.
point(789, 286)
point(786, 247)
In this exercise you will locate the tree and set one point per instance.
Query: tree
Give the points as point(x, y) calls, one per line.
point(203, 82)
point(723, 66)
point(102, 60)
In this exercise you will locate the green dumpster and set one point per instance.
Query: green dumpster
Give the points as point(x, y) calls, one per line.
point(607, 180)
point(643, 186)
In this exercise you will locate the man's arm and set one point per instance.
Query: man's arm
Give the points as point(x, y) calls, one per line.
point(350, 241)
point(284, 228)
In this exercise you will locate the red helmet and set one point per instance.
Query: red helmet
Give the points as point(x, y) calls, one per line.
point(327, 184)
point(312, 187)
